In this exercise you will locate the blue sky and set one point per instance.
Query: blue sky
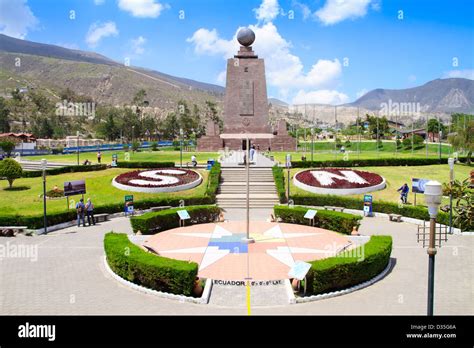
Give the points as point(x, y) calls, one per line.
point(324, 51)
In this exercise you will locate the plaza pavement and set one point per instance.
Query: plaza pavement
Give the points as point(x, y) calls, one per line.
point(69, 277)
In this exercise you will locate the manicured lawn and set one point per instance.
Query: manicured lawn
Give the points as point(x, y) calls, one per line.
point(388, 146)
point(396, 177)
point(144, 156)
point(324, 151)
point(99, 189)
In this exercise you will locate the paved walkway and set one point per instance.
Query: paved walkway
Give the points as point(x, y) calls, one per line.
point(221, 253)
point(237, 157)
point(68, 277)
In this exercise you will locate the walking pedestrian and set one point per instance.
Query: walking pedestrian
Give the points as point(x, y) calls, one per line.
point(99, 157)
point(404, 193)
point(80, 208)
point(194, 161)
point(90, 212)
point(252, 153)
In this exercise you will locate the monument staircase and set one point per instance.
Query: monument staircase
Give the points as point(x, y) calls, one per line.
point(232, 192)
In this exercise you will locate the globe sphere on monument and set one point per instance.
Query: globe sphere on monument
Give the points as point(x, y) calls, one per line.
point(246, 37)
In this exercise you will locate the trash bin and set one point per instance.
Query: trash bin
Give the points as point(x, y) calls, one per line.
point(210, 163)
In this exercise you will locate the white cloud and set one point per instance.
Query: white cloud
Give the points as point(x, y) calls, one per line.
point(335, 11)
point(208, 42)
point(142, 8)
point(99, 2)
point(16, 18)
point(283, 69)
point(305, 10)
point(320, 97)
point(221, 78)
point(268, 10)
point(98, 31)
point(362, 92)
point(137, 45)
point(467, 74)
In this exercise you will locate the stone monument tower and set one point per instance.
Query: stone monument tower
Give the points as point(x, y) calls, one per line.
point(246, 105)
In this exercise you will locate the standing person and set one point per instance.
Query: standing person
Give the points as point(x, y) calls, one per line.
point(252, 153)
point(80, 208)
point(404, 192)
point(194, 161)
point(99, 157)
point(90, 212)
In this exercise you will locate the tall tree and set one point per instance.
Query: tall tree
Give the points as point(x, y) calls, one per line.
point(434, 127)
point(463, 139)
point(4, 116)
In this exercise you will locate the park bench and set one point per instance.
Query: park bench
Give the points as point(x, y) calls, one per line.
point(340, 209)
point(10, 231)
point(395, 217)
point(149, 249)
point(160, 208)
point(101, 217)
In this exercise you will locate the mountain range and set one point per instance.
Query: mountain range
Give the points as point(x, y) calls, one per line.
point(51, 68)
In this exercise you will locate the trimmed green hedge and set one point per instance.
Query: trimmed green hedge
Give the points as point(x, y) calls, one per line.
point(128, 164)
point(351, 267)
point(163, 220)
point(380, 162)
point(63, 170)
point(36, 221)
point(330, 220)
point(279, 179)
point(152, 271)
point(213, 181)
point(377, 206)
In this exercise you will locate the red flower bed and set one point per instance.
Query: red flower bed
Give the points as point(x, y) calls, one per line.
point(186, 178)
point(371, 179)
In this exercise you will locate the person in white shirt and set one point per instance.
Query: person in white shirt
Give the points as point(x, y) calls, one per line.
point(194, 161)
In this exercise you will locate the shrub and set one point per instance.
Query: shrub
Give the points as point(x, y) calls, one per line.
point(7, 146)
point(279, 179)
point(213, 181)
point(330, 220)
point(160, 221)
point(407, 143)
point(10, 170)
point(381, 162)
point(66, 169)
point(154, 146)
point(415, 212)
point(152, 271)
point(136, 145)
point(418, 141)
point(351, 267)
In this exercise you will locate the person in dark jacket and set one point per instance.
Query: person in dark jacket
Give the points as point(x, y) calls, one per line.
point(404, 193)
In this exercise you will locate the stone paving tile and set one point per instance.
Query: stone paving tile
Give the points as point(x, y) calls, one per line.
point(69, 278)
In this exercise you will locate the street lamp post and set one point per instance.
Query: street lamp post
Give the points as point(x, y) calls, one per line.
point(247, 238)
point(288, 166)
point(451, 179)
point(297, 139)
point(77, 143)
point(440, 135)
point(433, 194)
point(181, 148)
point(44, 164)
point(312, 143)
